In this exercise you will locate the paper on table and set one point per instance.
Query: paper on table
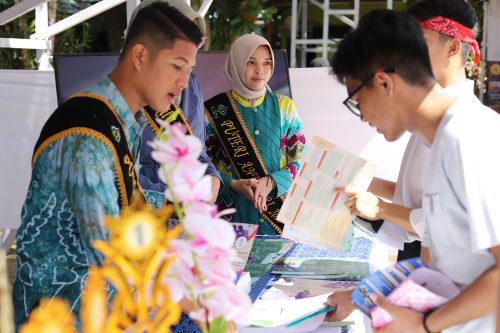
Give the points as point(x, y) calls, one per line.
point(264, 254)
point(309, 267)
point(245, 235)
point(297, 288)
point(298, 236)
point(276, 314)
point(312, 206)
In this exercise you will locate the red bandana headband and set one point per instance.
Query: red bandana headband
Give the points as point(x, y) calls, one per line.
point(453, 29)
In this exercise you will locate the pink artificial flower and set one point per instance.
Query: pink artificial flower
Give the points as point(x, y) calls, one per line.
point(182, 275)
point(188, 184)
point(215, 266)
point(174, 147)
point(201, 208)
point(202, 270)
point(215, 232)
point(227, 301)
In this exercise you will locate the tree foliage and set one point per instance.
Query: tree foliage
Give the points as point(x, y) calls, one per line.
point(74, 40)
point(229, 19)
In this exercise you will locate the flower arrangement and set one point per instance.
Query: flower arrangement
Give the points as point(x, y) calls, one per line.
point(150, 268)
point(135, 264)
point(202, 271)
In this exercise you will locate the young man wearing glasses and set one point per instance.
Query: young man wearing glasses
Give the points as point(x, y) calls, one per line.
point(448, 27)
point(386, 61)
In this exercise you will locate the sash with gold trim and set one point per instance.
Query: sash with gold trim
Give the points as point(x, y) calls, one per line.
point(173, 115)
point(225, 118)
point(88, 114)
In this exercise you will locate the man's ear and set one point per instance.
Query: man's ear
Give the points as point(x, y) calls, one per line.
point(138, 55)
point(454, 47)
point(385, 81)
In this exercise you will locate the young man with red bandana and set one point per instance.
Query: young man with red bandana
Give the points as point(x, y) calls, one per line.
point(448, 28)
point(391, 89)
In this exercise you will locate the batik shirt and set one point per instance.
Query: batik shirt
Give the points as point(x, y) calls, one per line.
point(72, 185)
point(280, 144)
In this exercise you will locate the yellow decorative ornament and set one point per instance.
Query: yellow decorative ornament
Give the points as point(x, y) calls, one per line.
point(136, 263)
point(51, 316)
point(495, 69)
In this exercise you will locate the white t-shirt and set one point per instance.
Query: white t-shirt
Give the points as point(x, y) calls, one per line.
point(461, 184)
point(408, 192)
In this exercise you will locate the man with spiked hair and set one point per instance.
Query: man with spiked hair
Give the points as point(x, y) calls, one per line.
point(84, 163)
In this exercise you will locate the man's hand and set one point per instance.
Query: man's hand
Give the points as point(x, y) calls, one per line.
point(264, 186)
point(341, 300)
point(364, 204)
point(244, 186)
point(404, 320)
point(215, 189)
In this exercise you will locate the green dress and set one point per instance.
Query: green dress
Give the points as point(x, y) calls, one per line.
point(275, 127)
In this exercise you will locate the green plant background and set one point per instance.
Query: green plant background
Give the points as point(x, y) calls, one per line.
point(226, 20)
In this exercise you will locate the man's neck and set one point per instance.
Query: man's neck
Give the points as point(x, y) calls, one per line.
point(430, 103)
point(453, 76)
point(119, 77)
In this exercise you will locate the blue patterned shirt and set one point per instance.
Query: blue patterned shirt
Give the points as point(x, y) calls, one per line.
point(72, 185)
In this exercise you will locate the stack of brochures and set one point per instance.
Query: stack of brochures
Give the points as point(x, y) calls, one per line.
point(323, 268)
point(290, 315)
point(409, 283)
point(265, 252)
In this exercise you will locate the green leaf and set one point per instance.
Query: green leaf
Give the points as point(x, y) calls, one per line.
point(218, 325)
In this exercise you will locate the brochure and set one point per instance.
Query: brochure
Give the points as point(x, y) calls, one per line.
point(265, 252)
point(409, 283)
point(297, 288)
point(245, 236)
point(313, 210)
point(295, 315)
point(351, 268)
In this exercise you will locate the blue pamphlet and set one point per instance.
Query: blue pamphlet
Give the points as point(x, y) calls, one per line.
point(383, 282)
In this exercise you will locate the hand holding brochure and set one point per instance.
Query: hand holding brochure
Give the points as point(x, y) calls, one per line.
point(313, 212)
point(409, 284)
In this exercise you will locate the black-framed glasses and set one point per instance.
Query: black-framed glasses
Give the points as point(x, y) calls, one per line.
point(353, 105)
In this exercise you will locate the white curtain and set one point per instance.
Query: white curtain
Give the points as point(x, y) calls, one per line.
point(493, 27)
point(27, 99)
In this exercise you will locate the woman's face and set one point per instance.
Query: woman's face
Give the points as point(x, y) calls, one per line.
point(258, 69)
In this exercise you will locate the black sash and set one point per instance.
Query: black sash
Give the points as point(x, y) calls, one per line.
point(173, 115)
point(88, 114)
point(223, 115)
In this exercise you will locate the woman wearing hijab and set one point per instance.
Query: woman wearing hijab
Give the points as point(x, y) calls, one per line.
point(254, 137)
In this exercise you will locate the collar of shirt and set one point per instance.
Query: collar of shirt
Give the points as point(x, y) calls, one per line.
point(246, 103)
point(133, 125)
point(460, 88)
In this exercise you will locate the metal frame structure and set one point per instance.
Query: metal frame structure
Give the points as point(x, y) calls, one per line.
point(40, 40)
point(324, 44)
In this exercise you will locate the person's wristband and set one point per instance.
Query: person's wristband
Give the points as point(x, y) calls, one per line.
point(424, 320)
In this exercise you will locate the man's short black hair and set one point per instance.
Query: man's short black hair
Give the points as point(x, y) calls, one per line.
point(159, 25)
point(459, 11)
point(384, 39)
